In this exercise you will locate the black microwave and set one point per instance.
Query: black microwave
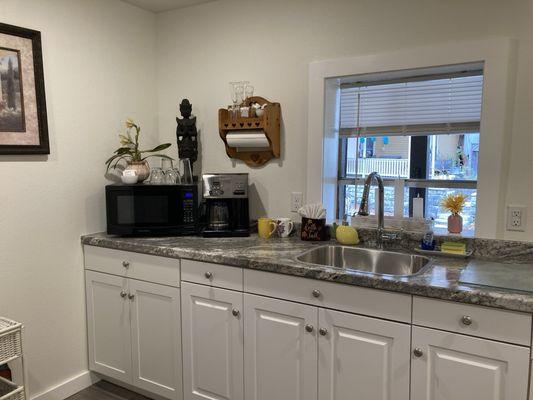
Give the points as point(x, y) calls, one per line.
point(144, 210)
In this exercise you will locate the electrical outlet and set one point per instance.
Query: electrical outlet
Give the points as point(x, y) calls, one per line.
point(297, 199)
point(516, 218)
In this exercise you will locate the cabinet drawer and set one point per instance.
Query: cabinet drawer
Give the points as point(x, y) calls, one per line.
point(210, 274)
point(372, 302)
point(162, 270)
point(490, 323)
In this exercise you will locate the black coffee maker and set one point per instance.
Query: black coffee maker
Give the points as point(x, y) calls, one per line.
point(226, 205)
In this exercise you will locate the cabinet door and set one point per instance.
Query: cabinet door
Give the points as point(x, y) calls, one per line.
point(108, 324)
point(156, 341)
point(212, 343)
point(448, 366)
point(280, 349)
point(362, 358)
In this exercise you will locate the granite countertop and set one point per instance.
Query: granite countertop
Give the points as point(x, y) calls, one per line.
point(440, 281)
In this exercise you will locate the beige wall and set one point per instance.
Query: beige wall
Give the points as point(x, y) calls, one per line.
point(202, 48)
point(101, 59)
point(99, 63)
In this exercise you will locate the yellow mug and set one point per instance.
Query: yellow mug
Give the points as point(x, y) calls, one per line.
point(266, 227)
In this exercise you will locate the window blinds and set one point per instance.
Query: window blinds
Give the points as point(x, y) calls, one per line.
point(419, 106)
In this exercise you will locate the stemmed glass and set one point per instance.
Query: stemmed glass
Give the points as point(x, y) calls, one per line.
point(233, 92)
point(249, 90)
point(239, 91)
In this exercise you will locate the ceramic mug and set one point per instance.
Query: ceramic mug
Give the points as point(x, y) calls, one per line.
point(266, 227)
point(284, 227)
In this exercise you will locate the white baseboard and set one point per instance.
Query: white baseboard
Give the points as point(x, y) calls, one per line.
point(69, 387)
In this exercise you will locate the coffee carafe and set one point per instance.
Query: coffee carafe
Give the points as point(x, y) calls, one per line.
point(218, 217)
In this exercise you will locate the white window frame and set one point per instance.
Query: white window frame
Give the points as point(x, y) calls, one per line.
point(498, 58)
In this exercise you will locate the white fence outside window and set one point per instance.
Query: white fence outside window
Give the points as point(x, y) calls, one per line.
point(386, 167)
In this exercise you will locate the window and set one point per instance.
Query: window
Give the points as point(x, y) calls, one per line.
point(423, 131)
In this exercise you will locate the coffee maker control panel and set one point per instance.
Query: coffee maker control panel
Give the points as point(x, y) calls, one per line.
point(225, 186)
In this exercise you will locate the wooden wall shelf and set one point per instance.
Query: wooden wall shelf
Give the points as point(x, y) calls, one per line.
point(269, 123)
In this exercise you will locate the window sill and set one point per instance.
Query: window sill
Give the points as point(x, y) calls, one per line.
point(407, 224)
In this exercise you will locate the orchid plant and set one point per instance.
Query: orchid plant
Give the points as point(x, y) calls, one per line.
point(129, 150)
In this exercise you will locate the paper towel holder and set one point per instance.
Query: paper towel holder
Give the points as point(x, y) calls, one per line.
point(269, 123)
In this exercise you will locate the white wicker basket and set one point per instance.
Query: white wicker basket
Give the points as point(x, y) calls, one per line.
point(10, 340)
point(10, 391)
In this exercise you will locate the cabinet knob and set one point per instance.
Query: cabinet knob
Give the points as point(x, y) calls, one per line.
point(323, 331)
point(131, 296)
point(417, 352)
point(123, 294)
point(208, 275)
point(126, 264)
point(235, 312)
point(466, 320)
point(316, 293)
point(309, 328)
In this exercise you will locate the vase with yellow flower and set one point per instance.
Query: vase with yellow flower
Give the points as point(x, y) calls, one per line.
point(454, 203)
point(135, 158)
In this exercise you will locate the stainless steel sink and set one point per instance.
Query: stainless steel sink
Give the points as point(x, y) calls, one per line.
point(366, 260)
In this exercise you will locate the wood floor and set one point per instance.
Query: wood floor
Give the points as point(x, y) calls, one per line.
point(103, 390)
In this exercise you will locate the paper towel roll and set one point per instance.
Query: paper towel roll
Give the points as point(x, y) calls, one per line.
point(247, 139)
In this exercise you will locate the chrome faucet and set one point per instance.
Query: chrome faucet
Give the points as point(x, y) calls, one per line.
point(363, 208)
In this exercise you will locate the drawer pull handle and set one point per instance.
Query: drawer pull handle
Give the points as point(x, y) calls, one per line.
point(466, 320)
point(418, 352)
point(309, 328)
point(126, 264)
point(235, 312)
point(208, 275)
point(131, 296)
point(123, 294)
point(316, 293)
point(323, 331)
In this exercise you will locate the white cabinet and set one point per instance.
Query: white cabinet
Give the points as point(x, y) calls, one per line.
point(531, 382)
point(280, 349)
point(213, 335)
point(108, 323)
point(133, 331)
point(448, 366)
point(362, 358)
point(289, 338)
point(156, 339)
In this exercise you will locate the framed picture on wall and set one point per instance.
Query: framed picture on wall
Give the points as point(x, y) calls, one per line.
point(23, 121)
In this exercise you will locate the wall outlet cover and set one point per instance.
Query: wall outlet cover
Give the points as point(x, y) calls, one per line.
point(297, 199)
point(516, 218)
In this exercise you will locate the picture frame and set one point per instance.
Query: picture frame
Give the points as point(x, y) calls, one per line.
point(23, 116)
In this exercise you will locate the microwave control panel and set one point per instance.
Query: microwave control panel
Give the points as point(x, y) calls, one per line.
point(188, 207)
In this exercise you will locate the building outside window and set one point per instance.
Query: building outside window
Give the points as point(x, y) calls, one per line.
point(423, 130)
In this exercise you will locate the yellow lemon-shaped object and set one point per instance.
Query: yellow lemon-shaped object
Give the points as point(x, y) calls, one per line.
point(347, 235)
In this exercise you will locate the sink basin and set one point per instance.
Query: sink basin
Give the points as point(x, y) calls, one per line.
point(366, 260)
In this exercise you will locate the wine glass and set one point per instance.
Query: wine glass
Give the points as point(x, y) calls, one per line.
point(239, 91)
point(233, 92)
point(249, 91)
